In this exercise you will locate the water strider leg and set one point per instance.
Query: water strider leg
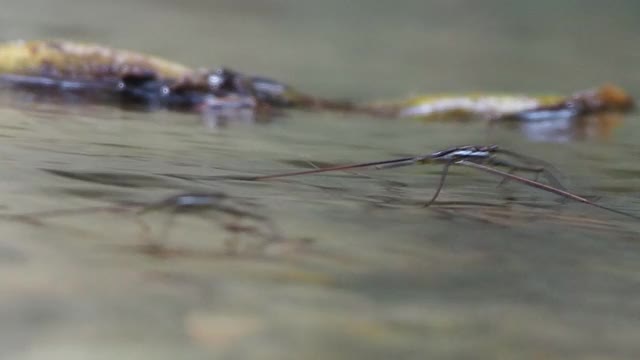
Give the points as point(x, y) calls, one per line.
point(513, 169)
point(506, 179)
point(443, 176)
point(548, 168)
point(526, 159)
point(537, 170)
point(565, 194)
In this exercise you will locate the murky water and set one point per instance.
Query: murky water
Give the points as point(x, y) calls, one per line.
point(383, 278)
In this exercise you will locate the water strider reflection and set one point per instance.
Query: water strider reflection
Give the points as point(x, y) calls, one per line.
point(247, 231)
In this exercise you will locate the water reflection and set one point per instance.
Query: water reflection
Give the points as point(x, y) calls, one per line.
point(599, 127)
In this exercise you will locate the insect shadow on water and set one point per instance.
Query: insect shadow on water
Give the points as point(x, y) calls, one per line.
point(485, 158)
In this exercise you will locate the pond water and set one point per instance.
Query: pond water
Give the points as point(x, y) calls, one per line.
point(523, 276)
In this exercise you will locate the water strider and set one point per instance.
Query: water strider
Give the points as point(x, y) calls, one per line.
point(480, 157)
point(241, 218)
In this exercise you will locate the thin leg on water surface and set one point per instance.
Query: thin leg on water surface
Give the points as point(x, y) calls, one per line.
point(526, 158)
point(542, 186)
point(377, 164)
point(513, 168)
point(548, 169)
point(443, 177)
point(506, 179)
point(537, 170)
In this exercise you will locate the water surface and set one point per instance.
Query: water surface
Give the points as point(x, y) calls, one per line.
point(383, 277)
